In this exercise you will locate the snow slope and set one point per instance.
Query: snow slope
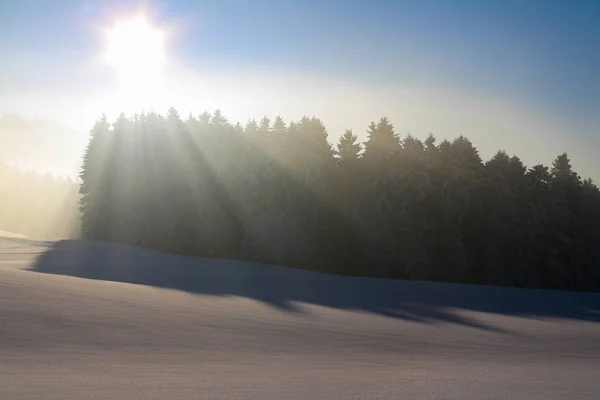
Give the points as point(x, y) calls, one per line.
point(84, 320)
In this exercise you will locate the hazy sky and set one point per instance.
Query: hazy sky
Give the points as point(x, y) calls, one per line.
point(521, 75)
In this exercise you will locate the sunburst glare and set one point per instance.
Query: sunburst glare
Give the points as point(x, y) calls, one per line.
point(136, 50)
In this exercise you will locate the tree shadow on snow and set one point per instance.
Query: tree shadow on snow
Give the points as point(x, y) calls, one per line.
point(286, 288)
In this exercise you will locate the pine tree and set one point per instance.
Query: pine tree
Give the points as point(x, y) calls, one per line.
point(414, 223)
point(348, 148)
point(218, 118)
point(238, 128)
point(374, 215)
point(265, 125)
point(430, 143)
point(345, 188)
point(382, 142)
point(279, 126)
point(205, 118)
point(122, 170)
point(251, 127)
point(96, 185)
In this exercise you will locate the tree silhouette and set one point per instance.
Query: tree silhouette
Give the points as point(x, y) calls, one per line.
point(280, 193)
point(348, 147)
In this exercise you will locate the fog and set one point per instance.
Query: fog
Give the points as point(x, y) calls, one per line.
point(38, 205)
point(491, 120)
point(39, 144)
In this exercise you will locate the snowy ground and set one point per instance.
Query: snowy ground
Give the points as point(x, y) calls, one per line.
point(83, 320)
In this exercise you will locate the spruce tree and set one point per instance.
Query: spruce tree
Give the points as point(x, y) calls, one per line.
point(218, 118)
point(348, 147)
point(265, 125)
point(96, 183)
point(382, 142)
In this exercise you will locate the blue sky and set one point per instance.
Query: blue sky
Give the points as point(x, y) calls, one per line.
point(540, 59)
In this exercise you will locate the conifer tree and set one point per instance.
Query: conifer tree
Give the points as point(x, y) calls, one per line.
point(96, 185)
point(279, 126)
point(218, 118)
point(265, 125)
point(348, 147)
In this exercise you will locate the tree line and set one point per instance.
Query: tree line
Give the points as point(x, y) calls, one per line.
point(393, 206)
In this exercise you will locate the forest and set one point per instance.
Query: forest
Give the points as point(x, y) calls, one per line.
point(394, 206)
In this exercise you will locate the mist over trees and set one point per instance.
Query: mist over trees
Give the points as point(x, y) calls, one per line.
point(395, 206)
point(38, 205)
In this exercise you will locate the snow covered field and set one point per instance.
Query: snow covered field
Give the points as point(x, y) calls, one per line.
point(84, 320)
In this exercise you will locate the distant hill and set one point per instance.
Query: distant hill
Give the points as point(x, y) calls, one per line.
point(41, 145)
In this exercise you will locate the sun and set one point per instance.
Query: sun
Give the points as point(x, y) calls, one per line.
point(136, 50)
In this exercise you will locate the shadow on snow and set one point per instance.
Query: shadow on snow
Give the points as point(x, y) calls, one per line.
point(285, 288)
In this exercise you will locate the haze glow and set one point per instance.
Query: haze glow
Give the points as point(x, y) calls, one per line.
point(482, 69)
